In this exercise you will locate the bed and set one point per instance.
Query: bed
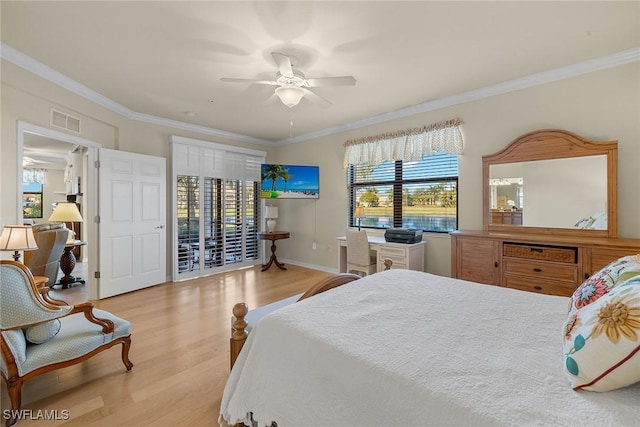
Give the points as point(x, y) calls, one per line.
point(408, 348)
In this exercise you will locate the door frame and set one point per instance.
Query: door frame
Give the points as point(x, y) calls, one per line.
point(90, 190)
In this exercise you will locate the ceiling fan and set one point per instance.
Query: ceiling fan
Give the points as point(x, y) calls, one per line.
point(293, 85)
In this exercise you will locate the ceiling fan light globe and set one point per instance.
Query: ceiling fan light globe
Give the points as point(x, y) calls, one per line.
point(290, 95)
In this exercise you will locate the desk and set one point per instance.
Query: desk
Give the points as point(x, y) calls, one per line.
point(68, 263)
point(403, 255)
point(273, 236)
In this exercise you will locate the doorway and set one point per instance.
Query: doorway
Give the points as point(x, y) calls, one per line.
point(48, 148)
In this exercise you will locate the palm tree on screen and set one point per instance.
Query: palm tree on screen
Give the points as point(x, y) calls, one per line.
point(286, 176)
point(272, 173)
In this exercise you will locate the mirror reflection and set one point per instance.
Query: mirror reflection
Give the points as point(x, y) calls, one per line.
point(556, 193)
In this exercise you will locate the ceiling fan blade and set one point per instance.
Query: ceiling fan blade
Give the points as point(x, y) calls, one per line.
point(284, 64)
point(44, 159)
point(332, 81)
point(315, 98)
point(272, 99)
point(256, 81)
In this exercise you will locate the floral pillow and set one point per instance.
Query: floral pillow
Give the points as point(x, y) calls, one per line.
point(604, 280)
point(602, 340)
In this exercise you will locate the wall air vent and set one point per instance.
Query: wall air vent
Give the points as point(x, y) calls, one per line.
point(65, 121)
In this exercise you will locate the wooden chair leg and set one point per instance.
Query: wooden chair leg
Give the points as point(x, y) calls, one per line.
point(126, 345)
point(14, 389)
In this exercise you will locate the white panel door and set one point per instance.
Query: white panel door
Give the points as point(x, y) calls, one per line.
point(132, 221)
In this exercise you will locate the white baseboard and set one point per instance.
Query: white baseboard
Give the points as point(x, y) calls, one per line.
point(311, 266)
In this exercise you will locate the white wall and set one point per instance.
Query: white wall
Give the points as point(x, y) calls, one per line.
point(54, 191)
point(29, 98)
point(599, 106)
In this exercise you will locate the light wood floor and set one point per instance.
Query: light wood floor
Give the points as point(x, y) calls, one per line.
point(180, 352)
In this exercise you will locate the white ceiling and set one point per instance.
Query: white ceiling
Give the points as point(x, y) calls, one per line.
point(165, 59)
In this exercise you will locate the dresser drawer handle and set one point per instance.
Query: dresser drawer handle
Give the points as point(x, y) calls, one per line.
point(537, 287)
point(537, 270)
point(537, 250)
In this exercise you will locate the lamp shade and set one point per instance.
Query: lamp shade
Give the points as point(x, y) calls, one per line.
point(359, 212)
point(290, 95)
point(66, 212)
point(17, 238)
point(271, 212)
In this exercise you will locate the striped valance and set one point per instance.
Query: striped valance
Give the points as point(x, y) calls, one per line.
point(409, 144)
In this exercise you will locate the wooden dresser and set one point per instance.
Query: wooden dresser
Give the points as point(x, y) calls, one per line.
point(564, 178)
point(546, 264)
point(506, 217)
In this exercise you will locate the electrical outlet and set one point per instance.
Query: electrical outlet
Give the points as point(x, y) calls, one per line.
point(314, 246)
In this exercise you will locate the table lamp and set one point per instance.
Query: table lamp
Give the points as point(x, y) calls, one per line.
point(359, 214)
point(66, 212)
point(271, 213)
point(17, 238)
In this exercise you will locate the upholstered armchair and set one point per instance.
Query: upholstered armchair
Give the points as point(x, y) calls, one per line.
point(45, 261)
point(38, 335)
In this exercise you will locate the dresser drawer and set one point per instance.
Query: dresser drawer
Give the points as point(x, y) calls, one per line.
point(560, 272)
point(601, 257)
point(542, 286)
point(541, 252)
point(394, 266)
point(390, 252)
point(399, 261)
point(397, 255)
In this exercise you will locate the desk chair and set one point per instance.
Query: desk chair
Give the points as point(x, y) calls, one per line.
point(359, 257)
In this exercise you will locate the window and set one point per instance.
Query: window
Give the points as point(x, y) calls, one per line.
point(229, 217)
point(188, 219)
point(32, 200)
point(406, 194)
point(216, 207)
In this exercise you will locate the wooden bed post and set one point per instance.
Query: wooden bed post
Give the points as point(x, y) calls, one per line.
point(238, 330)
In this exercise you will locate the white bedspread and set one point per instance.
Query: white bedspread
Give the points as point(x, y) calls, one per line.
point(413, 349)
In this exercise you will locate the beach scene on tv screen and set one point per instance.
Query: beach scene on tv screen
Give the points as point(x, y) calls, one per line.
point(289, 182)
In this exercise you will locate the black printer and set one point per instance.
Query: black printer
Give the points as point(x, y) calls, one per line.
point(403, 235)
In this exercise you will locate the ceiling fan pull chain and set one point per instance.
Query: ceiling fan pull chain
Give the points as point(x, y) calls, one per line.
point(291, 123)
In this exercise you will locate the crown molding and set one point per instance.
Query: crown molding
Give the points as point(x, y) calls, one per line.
point(21, 60)
point(577, 69)
point(601, 63)
point(176, 124)
point(39, 69)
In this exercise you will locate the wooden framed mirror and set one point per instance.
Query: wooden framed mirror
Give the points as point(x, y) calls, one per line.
point(552, 182)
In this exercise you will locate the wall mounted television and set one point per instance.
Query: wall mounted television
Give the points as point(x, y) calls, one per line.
point(289, 181)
